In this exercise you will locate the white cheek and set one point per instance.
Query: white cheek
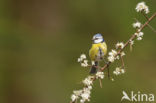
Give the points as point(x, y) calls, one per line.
point(98, 41)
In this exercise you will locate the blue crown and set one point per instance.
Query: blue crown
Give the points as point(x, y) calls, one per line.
point(98, 35)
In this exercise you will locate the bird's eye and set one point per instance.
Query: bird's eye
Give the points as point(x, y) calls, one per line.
point(95, 38)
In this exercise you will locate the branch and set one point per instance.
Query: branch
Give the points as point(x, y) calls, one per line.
point(84, 94)
point(131, 38)
point(148, 24)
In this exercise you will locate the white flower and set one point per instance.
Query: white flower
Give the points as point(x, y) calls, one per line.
point(142, 7)
point(86, 90)
point(111, 58)
point(118, 71)
point(136, 34)
point(84, 65)
point(114, 52)
point(77, 92)
point(93, 63)
point(119, 45)
point(139, 30)
point(90, 87)
point(117, 57)
point(131, 42)
point(137, 25)
point(112, 79)
point(140, 34)
point(79, 60)
point(122, 53)
point(100, 75)
point(86, 61)
point(139, 38)
point(87, 81)
point(74, 97)
point(82, 60)
point(82, 101)
point(85, 96)
point(83, 56)
point(123, 71)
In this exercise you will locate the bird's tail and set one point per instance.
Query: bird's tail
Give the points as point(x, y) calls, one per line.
point(93, 69)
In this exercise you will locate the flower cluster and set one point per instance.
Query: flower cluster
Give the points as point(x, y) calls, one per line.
point(122, 53)
point(88, 81)
point(112, 56)
point(119, 45)
point(82, 57)
point(142, 7)
point(82, 60)
point(131, 42)
point(83, 94)
point(137, 25)
point(119, 71)
point(139, 35)
point(99, 75)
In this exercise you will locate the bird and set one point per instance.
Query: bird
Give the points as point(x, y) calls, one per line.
point(97, 51)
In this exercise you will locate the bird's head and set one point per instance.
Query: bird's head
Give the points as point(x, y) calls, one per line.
point(98, 38)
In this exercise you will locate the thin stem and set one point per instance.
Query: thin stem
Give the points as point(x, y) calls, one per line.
point(148, 24)
point(144, 15)
point(131, 47)
point(100, 83)
point(123, 64)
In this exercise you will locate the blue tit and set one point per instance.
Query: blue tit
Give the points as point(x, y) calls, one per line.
point(97, 51)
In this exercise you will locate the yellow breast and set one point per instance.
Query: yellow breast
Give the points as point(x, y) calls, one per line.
point(93, 52)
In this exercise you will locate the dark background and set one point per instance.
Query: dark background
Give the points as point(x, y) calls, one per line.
point(40, 41)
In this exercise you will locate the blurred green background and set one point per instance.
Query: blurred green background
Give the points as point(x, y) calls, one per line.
point(40, 41)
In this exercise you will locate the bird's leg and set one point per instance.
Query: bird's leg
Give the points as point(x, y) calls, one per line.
point(94, 68)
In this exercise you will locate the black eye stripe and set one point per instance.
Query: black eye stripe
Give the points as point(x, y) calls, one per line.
point(98, 38)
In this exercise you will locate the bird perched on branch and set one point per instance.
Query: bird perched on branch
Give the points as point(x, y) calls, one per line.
point(97, 51)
